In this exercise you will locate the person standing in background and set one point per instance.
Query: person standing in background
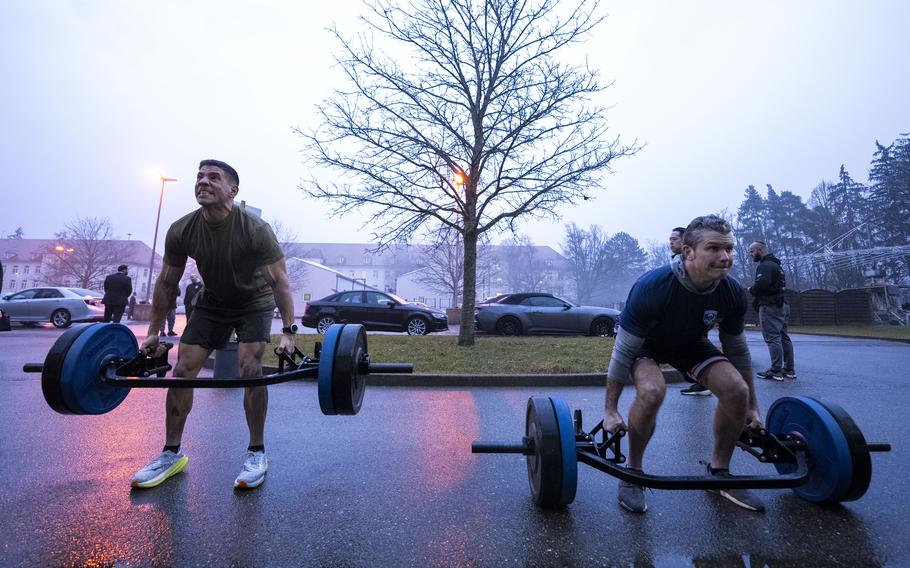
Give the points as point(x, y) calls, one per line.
point(189, 296)
point(117, 290)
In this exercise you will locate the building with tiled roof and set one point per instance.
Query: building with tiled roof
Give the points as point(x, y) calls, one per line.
point(28, 263)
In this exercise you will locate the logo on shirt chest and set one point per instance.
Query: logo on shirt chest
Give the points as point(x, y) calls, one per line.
point(709, 317)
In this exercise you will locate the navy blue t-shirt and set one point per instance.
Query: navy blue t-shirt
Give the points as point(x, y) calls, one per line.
point(661, 309)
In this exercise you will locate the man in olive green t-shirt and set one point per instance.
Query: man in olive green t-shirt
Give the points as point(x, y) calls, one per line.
point(245, 277)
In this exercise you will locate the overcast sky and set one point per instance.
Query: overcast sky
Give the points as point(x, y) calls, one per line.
point(98, 95)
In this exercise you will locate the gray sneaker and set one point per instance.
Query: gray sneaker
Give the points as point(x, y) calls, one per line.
point(255, 464)
point(632, 497)
point(741, 497)
point(789, 374)
point(159, 469)
point(770, 375)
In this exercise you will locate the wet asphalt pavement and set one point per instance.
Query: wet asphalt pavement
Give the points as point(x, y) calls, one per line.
point(397, 484)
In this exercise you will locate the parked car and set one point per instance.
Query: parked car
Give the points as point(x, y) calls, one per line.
point(517, 314)
point(377, 311)
point(58, 305)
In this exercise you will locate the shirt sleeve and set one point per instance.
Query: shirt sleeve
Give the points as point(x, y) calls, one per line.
point(735, 323)
point(174, 252)
point(266, 246)
point(641, 310)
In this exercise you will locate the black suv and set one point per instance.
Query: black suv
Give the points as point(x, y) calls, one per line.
point(377, 311)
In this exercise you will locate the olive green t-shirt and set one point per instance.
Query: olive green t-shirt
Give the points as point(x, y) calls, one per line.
point(229, 256)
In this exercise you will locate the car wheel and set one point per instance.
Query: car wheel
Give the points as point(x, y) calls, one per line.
point(61, 318)
point(508, 326)
point(324, 323)
point(603, 327)
point(417, 326)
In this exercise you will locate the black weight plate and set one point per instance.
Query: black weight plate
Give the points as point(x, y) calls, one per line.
point(545, 465)
point(53, 364)
point(347, 382)
point(80, 379)
point(862, 461)
point(326, 372)
point(828, 457)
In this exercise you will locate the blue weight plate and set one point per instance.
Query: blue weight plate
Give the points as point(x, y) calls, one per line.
point(566, 426)
point(545, 465)
point(829, 460)
point(347, 382)
point(50, 375)
point(83, 390)
point(327, 369)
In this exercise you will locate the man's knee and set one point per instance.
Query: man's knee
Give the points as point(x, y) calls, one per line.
point(650, 393)
point(250, 365)
point(732, 390)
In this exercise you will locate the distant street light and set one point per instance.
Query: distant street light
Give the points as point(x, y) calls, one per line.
point(148, 287)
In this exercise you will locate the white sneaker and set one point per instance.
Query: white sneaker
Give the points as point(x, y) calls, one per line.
point(255, 464)
point(162, 467)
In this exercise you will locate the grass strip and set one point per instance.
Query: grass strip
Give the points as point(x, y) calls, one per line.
point(897, 332)
point(489, 355)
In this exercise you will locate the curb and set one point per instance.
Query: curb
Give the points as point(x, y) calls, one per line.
point(440, 380)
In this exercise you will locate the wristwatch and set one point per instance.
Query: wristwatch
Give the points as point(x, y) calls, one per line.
point(291, 329)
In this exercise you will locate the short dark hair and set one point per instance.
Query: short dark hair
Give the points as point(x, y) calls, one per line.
point(680, 230)
point(705, 223)
point(122, 268)
point(230, 172)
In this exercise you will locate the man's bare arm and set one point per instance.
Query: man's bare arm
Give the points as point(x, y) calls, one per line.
point(167, 287)
point(276, 275)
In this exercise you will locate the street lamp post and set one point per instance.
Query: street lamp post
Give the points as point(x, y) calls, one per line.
point(148, 287)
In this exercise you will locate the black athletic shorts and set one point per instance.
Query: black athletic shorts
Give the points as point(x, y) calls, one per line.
point(691, 359)
point(211, 328)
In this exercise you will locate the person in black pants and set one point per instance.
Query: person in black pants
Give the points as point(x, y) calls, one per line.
point(189, 296)
point(117, 290)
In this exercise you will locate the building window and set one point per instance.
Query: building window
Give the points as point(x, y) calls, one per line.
point(145, 272)
point(12, 284)
point(375, 275)
point(37, 269)
point(548, 263)
point(24, 285)
point(340, 260)
point(16, 269)
point(25, 269)
point(367, 259)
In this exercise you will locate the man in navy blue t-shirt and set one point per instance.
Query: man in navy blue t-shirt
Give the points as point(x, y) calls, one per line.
point(666, 320)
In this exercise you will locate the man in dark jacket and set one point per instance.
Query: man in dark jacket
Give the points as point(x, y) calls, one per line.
point(117, 290)
point(189, 297)
point(773, 311)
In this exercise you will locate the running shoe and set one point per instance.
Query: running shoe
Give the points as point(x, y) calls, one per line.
point(162, 467)
point(632, 497)
point(696, 390)
point(255, 464)
point(770, 375)
point(789, 374)
point(740, 497)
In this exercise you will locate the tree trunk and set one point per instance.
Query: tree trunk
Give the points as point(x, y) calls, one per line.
point(466, 330)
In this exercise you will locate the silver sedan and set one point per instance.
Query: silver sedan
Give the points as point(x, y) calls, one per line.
point(58, 305)
point(517, 314)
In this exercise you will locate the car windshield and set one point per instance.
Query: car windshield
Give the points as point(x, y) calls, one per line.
point(398, 299)
point(84, 292)
point(567, 302)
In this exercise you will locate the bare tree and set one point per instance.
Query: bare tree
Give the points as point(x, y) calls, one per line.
point(481, 126)
point(588, 257)
point(520, 267)
point(658, 254)
point(85, 253)
point(443, 263)
point(287, 237)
